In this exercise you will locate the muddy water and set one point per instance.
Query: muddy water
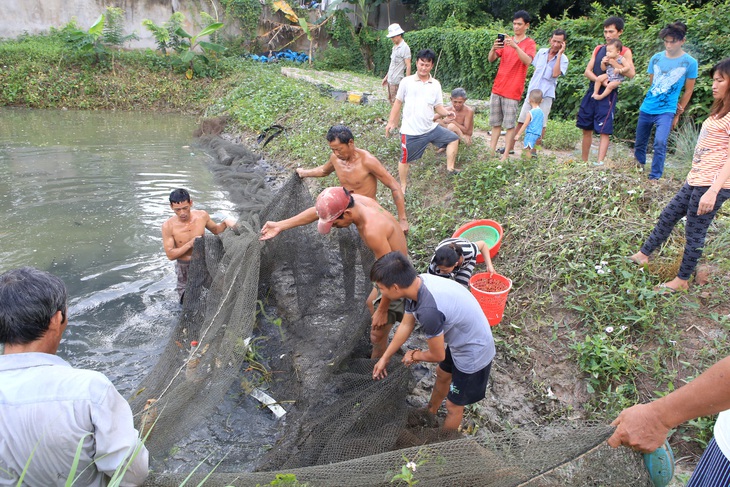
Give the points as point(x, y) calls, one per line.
point(83, 195)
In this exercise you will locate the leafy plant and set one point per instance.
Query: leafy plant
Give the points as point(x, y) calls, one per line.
point(105, 32)
point(208, 48)
point(407, 473)
point(166, 34)
point(247, 12)
point(113, 31)
point(285, 480)
point(561, 135)
point(86, 40)
point(683, 141)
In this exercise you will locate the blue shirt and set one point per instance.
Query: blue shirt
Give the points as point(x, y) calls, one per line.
point(445, 307)
point(48, 406)
point(669, 78)
point(535, 125)
point(542, 78)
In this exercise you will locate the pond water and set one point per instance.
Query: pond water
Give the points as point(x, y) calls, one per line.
point(83, 195)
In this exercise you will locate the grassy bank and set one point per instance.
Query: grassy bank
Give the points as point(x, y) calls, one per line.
point(42, 72)
point(584, 334)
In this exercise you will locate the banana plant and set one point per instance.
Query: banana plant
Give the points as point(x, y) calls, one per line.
point(207, 48)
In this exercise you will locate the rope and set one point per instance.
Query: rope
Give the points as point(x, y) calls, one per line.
point(567, 461)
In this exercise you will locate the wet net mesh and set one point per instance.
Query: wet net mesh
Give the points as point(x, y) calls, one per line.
point(287, 317)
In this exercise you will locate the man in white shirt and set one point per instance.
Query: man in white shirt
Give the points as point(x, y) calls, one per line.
point(420, 96)
point(48, 408)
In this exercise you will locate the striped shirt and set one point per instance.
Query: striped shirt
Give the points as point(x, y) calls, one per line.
point(462, 272)
point(711, 152)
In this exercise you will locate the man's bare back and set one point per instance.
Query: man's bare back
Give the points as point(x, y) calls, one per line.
point(379, 229)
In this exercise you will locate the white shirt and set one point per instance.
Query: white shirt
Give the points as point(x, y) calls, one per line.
point(47, 405)
point(419, 100)
point(722, 433)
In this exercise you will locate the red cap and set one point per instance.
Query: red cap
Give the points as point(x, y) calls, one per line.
point(331, 204)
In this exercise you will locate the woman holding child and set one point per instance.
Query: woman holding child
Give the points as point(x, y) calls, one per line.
point(706, 188)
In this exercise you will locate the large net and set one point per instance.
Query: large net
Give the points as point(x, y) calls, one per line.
point(285, 322)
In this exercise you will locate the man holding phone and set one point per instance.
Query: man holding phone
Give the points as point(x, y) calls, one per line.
point(550, 63)
point(516, 54)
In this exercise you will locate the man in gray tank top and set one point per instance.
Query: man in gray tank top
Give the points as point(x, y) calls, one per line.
point(448, 314)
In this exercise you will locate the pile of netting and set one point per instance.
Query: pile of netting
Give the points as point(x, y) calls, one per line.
point(267, 373)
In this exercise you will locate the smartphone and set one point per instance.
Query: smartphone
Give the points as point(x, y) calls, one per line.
point(500, 38)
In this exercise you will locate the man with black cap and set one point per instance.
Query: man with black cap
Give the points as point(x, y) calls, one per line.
point(400, 60)
point(379, 230)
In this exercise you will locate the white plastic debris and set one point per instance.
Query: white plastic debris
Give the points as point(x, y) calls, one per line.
point(269, 402)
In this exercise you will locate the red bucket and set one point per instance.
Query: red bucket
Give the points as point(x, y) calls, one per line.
point(491, 292)
point(487, 230)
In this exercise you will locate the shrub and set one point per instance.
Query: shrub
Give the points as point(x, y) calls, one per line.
point(561, 135)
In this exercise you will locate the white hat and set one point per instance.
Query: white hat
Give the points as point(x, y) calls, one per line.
point(394, 30)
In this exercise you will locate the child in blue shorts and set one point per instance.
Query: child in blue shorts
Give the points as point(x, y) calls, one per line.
point(533, 124)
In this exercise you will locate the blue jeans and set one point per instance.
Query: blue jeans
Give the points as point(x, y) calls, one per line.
point(663, 123)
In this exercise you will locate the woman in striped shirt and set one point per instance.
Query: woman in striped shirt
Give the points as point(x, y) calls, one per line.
point(706, 189)
point(455, 259)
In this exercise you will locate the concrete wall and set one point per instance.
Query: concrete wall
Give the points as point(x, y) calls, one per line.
point(36, 16)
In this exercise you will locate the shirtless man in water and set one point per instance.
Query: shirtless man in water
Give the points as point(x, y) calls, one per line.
point(180, 231)
point(358, 170)
point(379, 230)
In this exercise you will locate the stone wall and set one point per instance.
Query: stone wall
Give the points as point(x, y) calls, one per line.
point(36, 16)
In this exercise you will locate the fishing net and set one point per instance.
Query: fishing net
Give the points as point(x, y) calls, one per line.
point(284, 323)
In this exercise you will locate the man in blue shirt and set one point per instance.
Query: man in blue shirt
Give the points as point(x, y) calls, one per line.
point(669, 71)
point(448, 314)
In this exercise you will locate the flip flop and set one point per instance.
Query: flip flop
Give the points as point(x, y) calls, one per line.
point(660, 465)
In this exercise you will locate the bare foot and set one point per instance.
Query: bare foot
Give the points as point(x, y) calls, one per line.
point(674, 285)
point(441, 150)
point(639, 258)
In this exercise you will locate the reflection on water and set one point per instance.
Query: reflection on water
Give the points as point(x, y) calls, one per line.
point(83, 195)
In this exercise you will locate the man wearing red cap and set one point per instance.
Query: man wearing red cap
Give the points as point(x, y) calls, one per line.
point(357, 169)
point(379, 230)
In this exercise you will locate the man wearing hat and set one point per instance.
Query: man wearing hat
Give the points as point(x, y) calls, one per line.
point(379, 230)
point(400, 60)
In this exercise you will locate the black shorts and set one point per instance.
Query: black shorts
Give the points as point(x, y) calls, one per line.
point(597, 115)
point(465, 388)
point(413, 146)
